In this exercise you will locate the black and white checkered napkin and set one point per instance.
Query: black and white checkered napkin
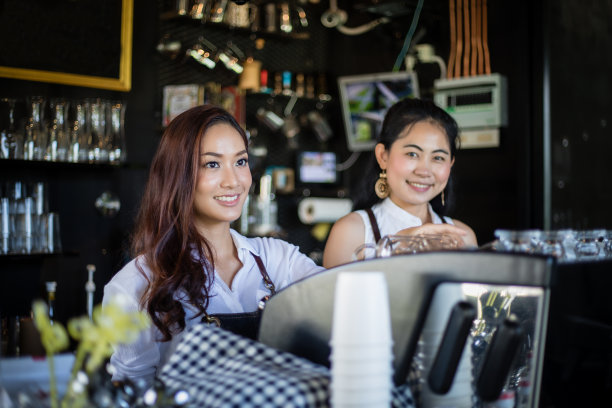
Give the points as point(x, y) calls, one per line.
point(221, 369)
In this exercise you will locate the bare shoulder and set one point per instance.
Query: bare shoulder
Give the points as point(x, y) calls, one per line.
point(345, 236)
point(349, 223)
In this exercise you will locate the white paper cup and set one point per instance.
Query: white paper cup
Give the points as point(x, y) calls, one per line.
point(360, 369)
point(349, 352)
point(361, 309)
point(356, 382)
point(370, 399)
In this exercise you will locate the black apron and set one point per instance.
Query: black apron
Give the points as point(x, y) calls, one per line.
point(245, 324)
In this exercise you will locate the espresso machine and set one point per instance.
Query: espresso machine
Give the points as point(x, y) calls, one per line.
point(470, 326)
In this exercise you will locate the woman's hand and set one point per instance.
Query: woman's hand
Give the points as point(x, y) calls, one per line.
point(460, 232)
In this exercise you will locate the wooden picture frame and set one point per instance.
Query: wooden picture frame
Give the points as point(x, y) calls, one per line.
point(120, 80)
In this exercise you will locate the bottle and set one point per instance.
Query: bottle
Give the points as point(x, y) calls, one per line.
point(90, 288)
point(51, 288)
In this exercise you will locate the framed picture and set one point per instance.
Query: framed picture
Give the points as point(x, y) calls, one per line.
point(83, 43)
point(179, 98)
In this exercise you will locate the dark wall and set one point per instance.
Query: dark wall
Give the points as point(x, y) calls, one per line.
point(87, 236)
point(496, 188)
point(580, 40)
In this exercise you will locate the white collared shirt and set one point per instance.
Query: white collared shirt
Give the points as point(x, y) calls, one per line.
point(391, 218)
point(284, 263)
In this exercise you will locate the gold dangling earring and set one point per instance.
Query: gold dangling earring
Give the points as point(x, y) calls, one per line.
point(381, 188)
point(443, 204)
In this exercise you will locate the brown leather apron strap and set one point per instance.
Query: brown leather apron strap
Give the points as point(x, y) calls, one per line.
point(245, 324)
point(374, 224)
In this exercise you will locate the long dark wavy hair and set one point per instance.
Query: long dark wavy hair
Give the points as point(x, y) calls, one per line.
point(401, 115)
point(179, 258)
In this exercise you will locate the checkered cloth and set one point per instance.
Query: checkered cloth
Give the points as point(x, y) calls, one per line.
point(221, 369)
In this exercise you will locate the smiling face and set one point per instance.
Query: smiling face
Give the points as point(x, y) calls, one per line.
point(224, 177)
point(418, 166)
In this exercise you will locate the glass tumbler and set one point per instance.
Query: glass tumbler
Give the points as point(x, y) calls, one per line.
point(391, 245)
point(557, 243)
point(524, 241)
point(590, 244)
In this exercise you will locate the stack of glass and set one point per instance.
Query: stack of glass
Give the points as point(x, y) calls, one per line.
point(90, 130)
point(26, 225)
point(567, 245)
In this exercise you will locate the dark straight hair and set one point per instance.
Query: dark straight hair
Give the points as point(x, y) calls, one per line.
point(402, 115)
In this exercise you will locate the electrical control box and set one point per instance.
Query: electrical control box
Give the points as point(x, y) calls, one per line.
point(478, 104)
point(475, 102)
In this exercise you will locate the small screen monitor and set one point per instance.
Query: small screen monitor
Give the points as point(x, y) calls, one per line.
point(365, 100)
point(317, 167)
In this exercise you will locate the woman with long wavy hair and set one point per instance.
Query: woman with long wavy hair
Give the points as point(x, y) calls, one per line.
point(189, 266)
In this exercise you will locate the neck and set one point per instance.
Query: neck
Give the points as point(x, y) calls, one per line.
point(420, 210)
point(219, 237)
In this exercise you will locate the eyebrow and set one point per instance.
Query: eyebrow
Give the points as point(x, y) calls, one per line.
point(420, 149)
point(240, 153)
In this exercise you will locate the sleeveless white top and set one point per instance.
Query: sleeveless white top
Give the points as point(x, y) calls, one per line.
point(391, 218)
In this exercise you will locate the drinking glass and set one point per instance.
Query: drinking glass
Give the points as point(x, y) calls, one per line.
point(557, 243)
point(4, 226)
point(11, 140)
point(363, 252)
point(608, 244)
point(50, 233)
point(524, 241)
point(391, 245)
point(589, 244)
point(58, 144)
point(117, 133)
point(23, 239)
point(98, 140)
point(35, 143)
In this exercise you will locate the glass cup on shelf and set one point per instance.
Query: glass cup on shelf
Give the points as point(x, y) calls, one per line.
point(98, 146)
point(23, 234)
point(117, 153)
point(5, 227)
point(59, 142)
point(36, 137)
point(49, 233)
point(11, 139)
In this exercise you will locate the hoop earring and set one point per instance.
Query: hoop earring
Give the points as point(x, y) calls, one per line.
point(381, 188)
point(442, 197)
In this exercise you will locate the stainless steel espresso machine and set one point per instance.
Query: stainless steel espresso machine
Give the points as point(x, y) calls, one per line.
point(469, 325)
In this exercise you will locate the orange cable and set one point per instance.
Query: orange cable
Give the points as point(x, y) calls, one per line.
point(474, 47)
point(485, 39)
point(459, 41)
point(480, 69)
point(453, 39)
point(466, 54)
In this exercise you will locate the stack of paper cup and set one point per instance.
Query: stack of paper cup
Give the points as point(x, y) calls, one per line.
point(361, 343)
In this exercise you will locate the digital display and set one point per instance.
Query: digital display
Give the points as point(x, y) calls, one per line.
point(365, 100)
point(317, 167)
